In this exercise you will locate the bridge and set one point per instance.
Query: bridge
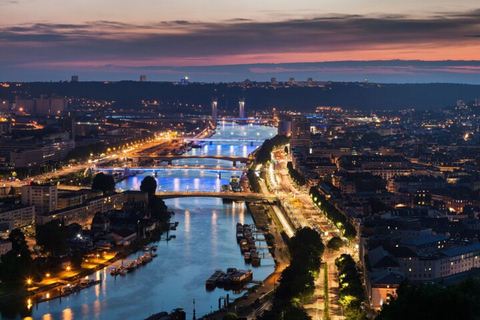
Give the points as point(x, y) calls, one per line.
point(170, 158)
point(212, 140)
point(131, 170)
point(240, 196)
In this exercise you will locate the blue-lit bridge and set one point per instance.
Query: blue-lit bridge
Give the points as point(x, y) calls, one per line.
point(153, 169)
point(170, 158)
point(235, 196)
point(212, 140)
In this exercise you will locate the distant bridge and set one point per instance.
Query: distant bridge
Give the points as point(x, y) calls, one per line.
point(242, 196)
point(170, 158)
point(130, 170)
point(211, 140)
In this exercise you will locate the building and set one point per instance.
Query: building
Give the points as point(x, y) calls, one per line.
point(57, 146)
point(184, 81)
point(6, 226)
point(291, 81)
point(21, 158)
point(273, 81)
point(74, 79)
point(214, 109)
point(241, 108)
point(410, 184)
point(386, 167)
point(5, 127)
point(143, 78)
point(284, 128)
point(18, 215)
point(5, 246)
point(75, 198)
point(382, 285)
point(84, 213)
point(42, 105)
point(50, 106)
point(42, 196)
point(444, 263)
point(300, 132)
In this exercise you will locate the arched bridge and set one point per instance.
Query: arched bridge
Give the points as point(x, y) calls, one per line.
point(170, 158)
point(243, 196)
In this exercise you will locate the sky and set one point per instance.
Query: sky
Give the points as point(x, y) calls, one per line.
point(231, 40)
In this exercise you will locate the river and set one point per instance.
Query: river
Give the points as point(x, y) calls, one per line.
point(205, 241)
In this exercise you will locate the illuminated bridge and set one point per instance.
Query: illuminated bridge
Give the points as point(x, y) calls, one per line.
point(239, 196)
point(223, 140)
point(132, 170)
point(170, 158)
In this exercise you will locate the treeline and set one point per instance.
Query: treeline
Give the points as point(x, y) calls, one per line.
point(333, 213)
point(342, 94)
point(296, 176)
point(264, 154)
point(433, 302)
point(297, 281)
point(351, 289)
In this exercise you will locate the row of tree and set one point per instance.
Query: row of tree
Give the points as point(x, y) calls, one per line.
point(297, 282)
point(351, 294)
point(264, 154)
point(296, 176)
point(333, 213)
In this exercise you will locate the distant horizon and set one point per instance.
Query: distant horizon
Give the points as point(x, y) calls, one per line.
point(394, 71)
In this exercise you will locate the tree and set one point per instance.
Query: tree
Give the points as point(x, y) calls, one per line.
point(335, 244)
point(52, 237)
point(18, 240)
point(149, 185)
point(103, 182)
point(17, 264)
point(230, 316)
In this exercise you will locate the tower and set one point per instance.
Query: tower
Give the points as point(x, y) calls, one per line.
point(194, 316)
point(241, 108)
point(214, 109)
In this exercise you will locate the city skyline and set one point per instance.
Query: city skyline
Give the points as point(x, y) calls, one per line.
point(223, 42)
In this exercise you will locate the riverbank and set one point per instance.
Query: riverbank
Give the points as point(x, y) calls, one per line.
point(52, 284)
point(259, 297)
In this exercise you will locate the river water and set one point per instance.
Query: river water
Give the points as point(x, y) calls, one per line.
point(205, 241)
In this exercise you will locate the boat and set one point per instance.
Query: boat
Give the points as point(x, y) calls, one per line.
point(131, 266)
point(85, 283)
point(235, 184)
point(122, 271)
point(69, 288)
point(146, 248)
point(146, 258)
point(154, 248)
point(241, 276)
point(247, 257)
point(255, 258)
point(212, 281)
